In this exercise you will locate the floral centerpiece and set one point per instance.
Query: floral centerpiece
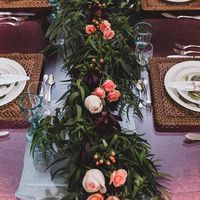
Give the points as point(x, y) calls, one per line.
point(105, 160)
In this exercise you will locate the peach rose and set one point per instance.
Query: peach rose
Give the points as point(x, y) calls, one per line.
point(108, 34)
point(90, 29)
point(113, 95)
point(99, 92)
point(94, 181)
point(112, 198)
point(118, 177)
point(96, 196)
point(108, 85)
point(94, 104)
point(105, 25)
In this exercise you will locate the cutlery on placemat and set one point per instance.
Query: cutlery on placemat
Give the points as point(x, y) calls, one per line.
point(182, 56)
point(17, 19)
point(193, 136)
point(12, 78)
point(185, 85)
point(180, 46)
point(182, 52)
point(51, 82)
point(180, 16)
point(17, 14)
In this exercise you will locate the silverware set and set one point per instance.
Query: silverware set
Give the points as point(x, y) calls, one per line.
point(144, 92)
point(49, 81)
point(14, 18)
point(183, 49)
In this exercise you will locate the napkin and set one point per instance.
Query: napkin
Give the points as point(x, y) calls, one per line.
point(185, 85)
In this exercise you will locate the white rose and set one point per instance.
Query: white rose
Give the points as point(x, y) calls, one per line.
point(94, 181)
point(94, 104)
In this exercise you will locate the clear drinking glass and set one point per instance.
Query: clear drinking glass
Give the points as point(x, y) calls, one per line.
point(40, 88)
point(143, 55)
point(30, 106)
point(143, 32)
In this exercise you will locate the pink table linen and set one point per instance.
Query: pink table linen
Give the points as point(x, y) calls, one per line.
point(11, 163)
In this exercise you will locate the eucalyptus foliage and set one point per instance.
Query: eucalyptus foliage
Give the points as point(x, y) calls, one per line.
point(77, 134)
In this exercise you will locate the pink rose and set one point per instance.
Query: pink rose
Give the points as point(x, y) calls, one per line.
point(108, 85)
point(113, 96)
point(94, 181)
point(112, 198)
point(90, 29)
point(118, 177)
point(96, 196)
point(108, 34)
point(105, 25)
point(99, 92)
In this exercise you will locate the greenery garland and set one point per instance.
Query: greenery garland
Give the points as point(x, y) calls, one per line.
point(105, 160)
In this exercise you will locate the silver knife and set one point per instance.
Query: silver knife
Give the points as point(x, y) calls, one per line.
point(180, 16)
point(17, 13)
point(182, 56)
point(12, 78)
point(184, 85)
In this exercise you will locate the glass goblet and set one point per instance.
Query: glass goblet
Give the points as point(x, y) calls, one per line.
point(30, 106)
point(143, 55)
point(40, 88)
point(143, 32)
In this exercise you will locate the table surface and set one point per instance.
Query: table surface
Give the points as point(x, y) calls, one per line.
point(179, 159)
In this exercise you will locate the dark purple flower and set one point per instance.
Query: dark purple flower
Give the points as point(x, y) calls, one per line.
point(92, 79)
point(106, 121)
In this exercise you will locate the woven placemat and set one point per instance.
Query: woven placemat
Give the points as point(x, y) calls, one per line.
point(24, 4)
point(10, 115)
point(167, 114)
point(163, 5)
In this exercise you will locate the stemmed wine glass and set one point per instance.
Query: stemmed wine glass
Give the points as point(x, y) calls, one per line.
point(143, 55)
point(30, 106)
point(40, 88)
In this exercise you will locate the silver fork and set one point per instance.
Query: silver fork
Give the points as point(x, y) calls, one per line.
point(17, 19)
point(11, 23)
point(181, 52)
point(180, 46)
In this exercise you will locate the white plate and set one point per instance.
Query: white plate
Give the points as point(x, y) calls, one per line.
point(3, 70)
point(15, 68)
point(181, 77)
point(171, 76)
point(178, 1)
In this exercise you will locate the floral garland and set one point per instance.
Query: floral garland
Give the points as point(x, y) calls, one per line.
point(104, 160)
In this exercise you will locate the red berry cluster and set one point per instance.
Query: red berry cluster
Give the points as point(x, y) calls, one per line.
point(96, 62)
point(108, 158)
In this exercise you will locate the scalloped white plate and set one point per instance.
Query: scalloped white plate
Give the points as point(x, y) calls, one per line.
point(15, 68)
point(172, 74)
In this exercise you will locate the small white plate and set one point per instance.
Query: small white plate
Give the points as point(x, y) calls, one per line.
point(178, 1)
point(15, 68)
point(181, 77)
point(171, 75)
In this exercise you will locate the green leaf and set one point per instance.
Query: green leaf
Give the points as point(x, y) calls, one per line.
point(78, 112)
point(72, 97)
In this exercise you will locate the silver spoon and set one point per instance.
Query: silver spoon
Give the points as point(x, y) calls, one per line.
point(193, 136)
point(51, 82)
